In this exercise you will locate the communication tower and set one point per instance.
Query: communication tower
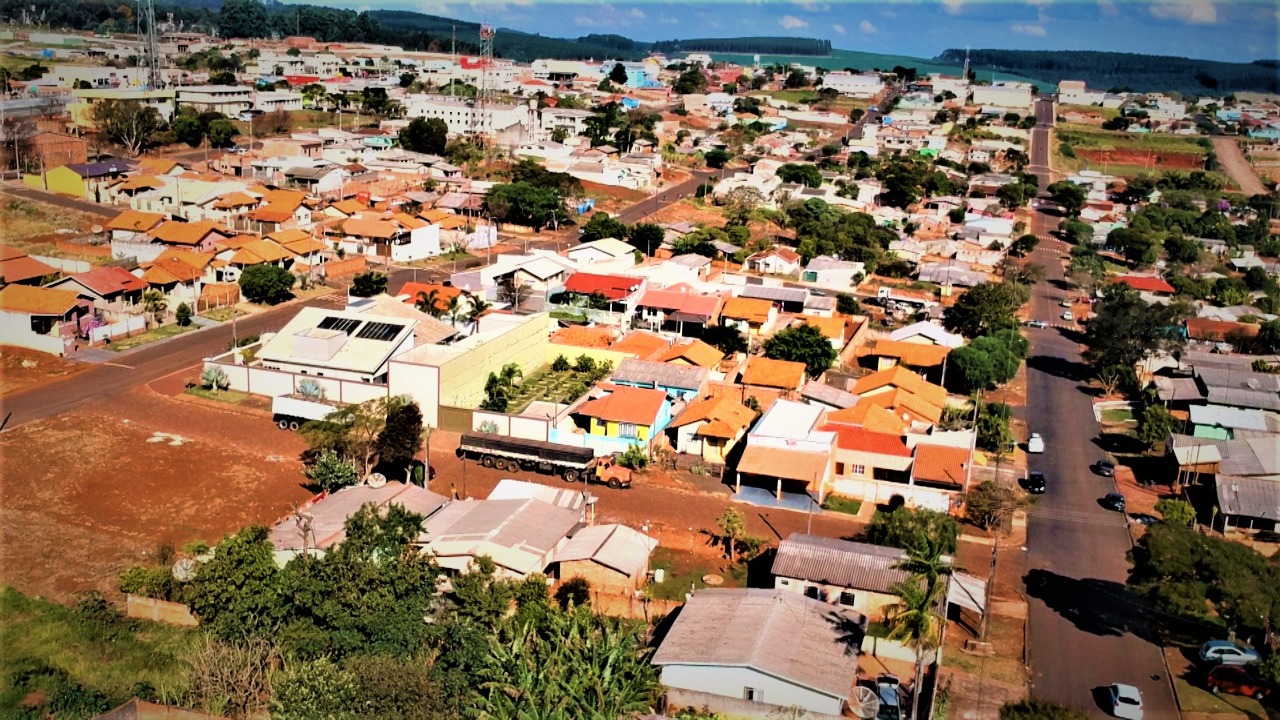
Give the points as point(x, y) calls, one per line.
point(148, 43)
point(482, 111)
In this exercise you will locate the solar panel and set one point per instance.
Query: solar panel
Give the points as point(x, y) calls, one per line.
point(379, 331)
point(341, 324)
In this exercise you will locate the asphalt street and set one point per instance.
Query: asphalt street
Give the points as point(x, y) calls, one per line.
point(1086, 631)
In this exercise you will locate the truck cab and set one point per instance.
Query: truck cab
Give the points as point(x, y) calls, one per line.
point(609, 472)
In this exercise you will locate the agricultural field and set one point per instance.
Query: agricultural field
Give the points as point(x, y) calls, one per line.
point(1082, 136)
point(1106, 113)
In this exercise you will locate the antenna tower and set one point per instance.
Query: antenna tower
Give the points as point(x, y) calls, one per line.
point(149, 44)
point(965, 75)
point(453, 59)
point(481, 112)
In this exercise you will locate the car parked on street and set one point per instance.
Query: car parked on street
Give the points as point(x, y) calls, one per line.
point(1039, 324)
point(1068, 315)
point(1126, 701)
point(1114, 501)
point(1035, 444)
point(1225, 652)
point(1105, 468)
point(1235, 680)
point(1035, 483)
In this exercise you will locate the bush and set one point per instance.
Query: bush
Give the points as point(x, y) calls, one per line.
point(215, 378)
point(575, 591)
point(634, 457)
point(330, 472)
point(561, 364)
point(266, 284)
point(1039, 710)
point(368, 284)
point(183, 315)
point(584, 364)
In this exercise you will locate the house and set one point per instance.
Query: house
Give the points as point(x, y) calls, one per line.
point(133, 225)
point(338, 344)
point(1225, 423)
point(849, 574)
point(1248, 503)
point(179, 274)
point(110, 288)
point(752, 317)
point(904, 392)
point(783, 375)
point(711, 428)
point(818, 393)
point(613, 558)
point(678, 309)
point(788, 455)
point(775, 261)
point(642, 344)
point(619, 292)
point(90, 181)
point(624, 417)
point(760, 652)
point(606, 255)
point(1151, 284)
point(1239, 334)
point(694, 352)
point(39, 318)
point(832, 273)
point(18, 267)
point(884, 354)
point(400, 237)
point(321, 524)
point(521, 536)
point(200, 236)
point(928, 333)
point(942, 466)
point(872, 459)
point(679, 382)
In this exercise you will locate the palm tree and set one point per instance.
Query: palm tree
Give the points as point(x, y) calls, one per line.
point(429, 302)
point(915, 618)
point(478, 308)
point(155, 302)
point(453, 309)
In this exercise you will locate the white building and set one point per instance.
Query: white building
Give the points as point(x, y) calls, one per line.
point(271, 100)
point(338, 344)
point(498, 119)
point(230, 100)
point(1014, 97)
point(1074, 92)
point(863, 85)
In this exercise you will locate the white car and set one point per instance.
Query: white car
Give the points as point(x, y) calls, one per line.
point(1066, 302)
point(1035, 444)
point(1068, 315)
point(1126, 701)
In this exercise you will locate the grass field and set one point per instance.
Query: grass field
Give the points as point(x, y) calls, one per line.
point(1107, 113)
point(106, 656)
point(1089, 137)
point(152, 335)
point(804, 97)
point(684, 571)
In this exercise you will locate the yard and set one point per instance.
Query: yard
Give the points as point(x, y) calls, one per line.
point(157, 333)
point(548, 385)
point(1117, 415)
point(684, 572)
point(223, 314)
point(32, 226)
point(1087, 136)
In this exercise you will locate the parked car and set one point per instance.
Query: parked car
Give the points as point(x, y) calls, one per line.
point(1066, 302)
point(1068, 315)
point(1035, 483)
point(1114, 501)
point(1237, 681)
point(1105, 468)
point(889, 690)
point(1126, 701)
point(1035, 444)
point(1037, 324)
point(1225, 652)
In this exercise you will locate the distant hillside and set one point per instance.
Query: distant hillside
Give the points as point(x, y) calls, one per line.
point(1140, 73)
point(512, 44)
point(751, 45)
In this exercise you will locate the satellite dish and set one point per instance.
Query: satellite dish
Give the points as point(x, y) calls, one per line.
point(184, 570)
point(375, 480)
point(865, 702)
point(96, 229)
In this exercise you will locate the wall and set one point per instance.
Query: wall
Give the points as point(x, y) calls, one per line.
point(140, 251)
point(462, 378)
point(171, 613)
point(424, 242)
point(894, 650)
point(602, 579)
point(15, 328)
point(341, 268)
point(128, 326)
point(723, 688)
point(529, 428)
point(571, 353)
point(66, 266)
point(882, 491)
point(261, 381)
point(866, 602)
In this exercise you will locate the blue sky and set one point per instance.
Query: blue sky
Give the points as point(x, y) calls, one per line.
point(1241, 30)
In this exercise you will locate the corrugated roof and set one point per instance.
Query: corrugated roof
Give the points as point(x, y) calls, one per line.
point(933, 332)
point(774, 294)
point(843, 563)
point(660, 375)
point(617, 547)
point(782, 633)
point(329, 515)
point(1231, 418)
point(828, 395)
point(1255, 497)
point(782, 462)
point(516, 534)
point(1257, 399)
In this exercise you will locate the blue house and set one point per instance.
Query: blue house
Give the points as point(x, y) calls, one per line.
point(679, 382)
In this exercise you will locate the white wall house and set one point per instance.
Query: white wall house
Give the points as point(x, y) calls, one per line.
point(229, 100)
point(856, 84)
point(1015, 97)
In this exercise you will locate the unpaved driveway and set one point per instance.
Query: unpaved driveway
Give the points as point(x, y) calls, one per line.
point(1234, 164)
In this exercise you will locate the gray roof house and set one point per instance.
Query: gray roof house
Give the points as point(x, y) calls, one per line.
point(321, 524)
point(520, 536)
point(1251, 503)
point(678, 381)
point(749, 652)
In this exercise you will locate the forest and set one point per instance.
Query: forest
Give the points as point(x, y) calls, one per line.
point(762, 45)
point(1138, 73)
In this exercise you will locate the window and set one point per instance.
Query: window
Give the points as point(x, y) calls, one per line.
point(784, 582)
point(839, 468)
point(846, 598)
point(813, 591)
point(859, 470)
point(753, 695)
point(627, 430)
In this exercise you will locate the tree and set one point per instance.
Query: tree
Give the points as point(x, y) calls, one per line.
point(330, 472)
point(647, 237)
point(1025, 244)
point(1068, 195)
point(1125, 329)
point(732, 526)
point(368, 284)
point(847, 304)
point(1022, 273)
point(969, 370)
point(127, 123)
point(155, 302)
point(804, 344)
point(183, 315)
point(232, 677)
point(313, 689)
point(740, 202)
point(989, 503)
point(914, 618)
point(1269, 336)
point(992, 428)
point(574, 592)
point(603, 225)
point(716, 158)
point(221, 133)
point(401, 437)
point(618, 74)
point(797, 78)
point(1039, 710)
point(265, 283)
point(985, 308)
point(691, 81)
point(425, 135)
point(524, 203)
point(800, 173)
point(187, 128)
point(243, 19)
point(237, 592)
point(1176, 512)
point(725, 338)
point(905, 527)
point(499, 388)
point(1154, 425)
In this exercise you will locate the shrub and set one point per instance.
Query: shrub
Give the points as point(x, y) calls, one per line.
point(183, 315)
point(215, 378)
point(634, 457)
point(561, 364)
point(575, 591)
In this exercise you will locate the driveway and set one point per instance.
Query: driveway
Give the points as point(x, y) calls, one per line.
point(1086, 630)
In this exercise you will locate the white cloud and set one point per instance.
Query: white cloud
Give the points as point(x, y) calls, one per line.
point(952, 7)
point(866, 27)
point(791, 22)
point(838, 28)
point(1028, 29)
point(634, 13)
point(813, 7)
point(521, 3)
point(1190, 12)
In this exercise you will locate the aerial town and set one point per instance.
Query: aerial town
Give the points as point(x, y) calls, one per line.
point(347, 380)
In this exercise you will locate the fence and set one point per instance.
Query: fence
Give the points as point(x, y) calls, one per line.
point(456, 419)
point(894, 650)
point(128, 326)
point(74, 248)
point(170, 613)
point(261, 381)
point(66, 266)
point(678, 698)
point(342, 268)
point(529, 428)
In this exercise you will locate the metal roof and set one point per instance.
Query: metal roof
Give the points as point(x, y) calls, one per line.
point(775, 294)
point(1217, 377)
point(1256, 497)
point(1177, 388)
point(518, 534)
point(778, 632)
point(1232, 417)
point(659, 375)
point(844, 563)
point(828, 395)
point(1255, 399)
point(329, 514)
point(617, 547)
point(569, 498)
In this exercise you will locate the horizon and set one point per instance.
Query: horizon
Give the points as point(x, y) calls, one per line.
point(1239, 31)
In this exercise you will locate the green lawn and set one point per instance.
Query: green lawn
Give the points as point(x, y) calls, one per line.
point(1083, 136)
point(222, 314)
point(110, 657)
point(1195, 699)
point(1107, 113)
point(152, 335)
point(227, 396)
point(836, 503)
point(684, 571)
point(1117, 415)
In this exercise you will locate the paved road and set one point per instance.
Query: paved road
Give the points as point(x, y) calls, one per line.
point(1086, 632)
point(645, 208)
point(61, 201)
point(873, 113)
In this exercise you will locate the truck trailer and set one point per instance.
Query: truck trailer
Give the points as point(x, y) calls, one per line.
point(291, 411)
point(570, 462)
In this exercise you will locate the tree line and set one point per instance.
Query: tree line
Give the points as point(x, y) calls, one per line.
point(1116, 70)
point(770, 45)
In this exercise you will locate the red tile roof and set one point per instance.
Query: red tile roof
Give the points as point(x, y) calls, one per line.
point(30, 300)
point(1219, 330)
point(860, 439)
point(643, 345)
point(613, 287)
point(600, 336)
point(639, 406)
point(766, 372)
point(723, 417)
point(110, 280)
point(23, 268)
point(1146, 283)
point(940, 464)
point(444, 293)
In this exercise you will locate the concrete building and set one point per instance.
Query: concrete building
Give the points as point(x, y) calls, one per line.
point(507, 122)
point(613, 558)
point(862, 85)
point(1013, 97)
point(230, 100)
point(81, 109)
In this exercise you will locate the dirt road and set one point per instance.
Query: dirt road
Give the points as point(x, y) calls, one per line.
point(1234, 164)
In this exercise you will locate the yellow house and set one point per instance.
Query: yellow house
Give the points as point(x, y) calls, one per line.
point(711, 427)
point(82, 180)
point(627, 413)
point(81, 109)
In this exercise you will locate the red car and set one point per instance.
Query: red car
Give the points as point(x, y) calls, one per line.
point(1237, 681)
